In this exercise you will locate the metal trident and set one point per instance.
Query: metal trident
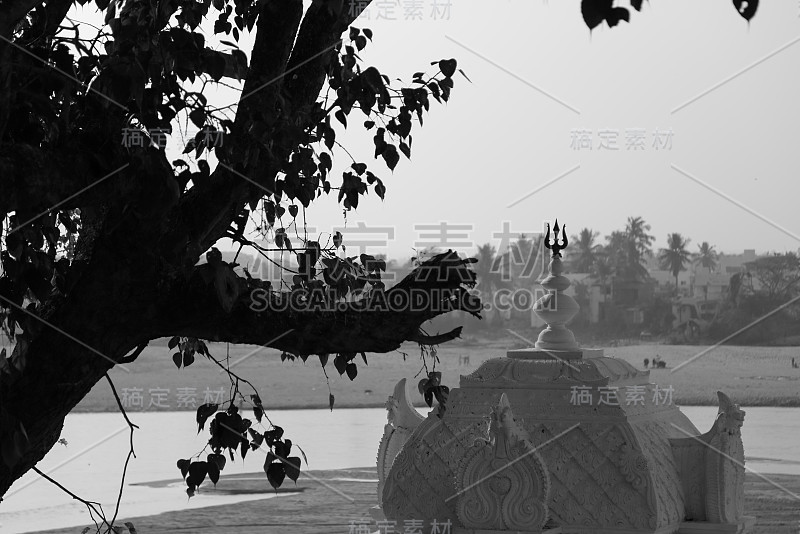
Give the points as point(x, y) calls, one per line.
point(555, 246)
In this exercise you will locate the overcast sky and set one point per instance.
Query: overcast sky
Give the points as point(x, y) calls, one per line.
point(721, 93)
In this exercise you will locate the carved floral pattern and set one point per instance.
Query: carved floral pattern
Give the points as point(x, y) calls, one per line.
point(503, 483)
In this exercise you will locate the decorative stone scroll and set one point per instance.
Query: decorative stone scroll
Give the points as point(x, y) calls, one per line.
point(503, 485)
point(711, 467)
point(402, 420)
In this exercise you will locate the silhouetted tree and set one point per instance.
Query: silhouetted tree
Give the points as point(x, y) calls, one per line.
point(706, 256)
point(675, 256)
point(141, 224)
point(778, 275)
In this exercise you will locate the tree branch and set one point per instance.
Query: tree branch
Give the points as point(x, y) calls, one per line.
point(12, 12)
point(380, 323)
point(209, 209)
point(48, 18)
point(267, 91)
point(91, 505)
point(31, 177)
point(131, 452)
point(322, 27)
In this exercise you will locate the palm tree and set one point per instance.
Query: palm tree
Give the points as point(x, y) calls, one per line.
point(706, 257)
point(675, 256)
point(627, 249)
point(585, 251)
point(616, 251)
point(641, 242)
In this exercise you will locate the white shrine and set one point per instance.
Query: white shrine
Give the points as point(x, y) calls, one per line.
point(514, 452)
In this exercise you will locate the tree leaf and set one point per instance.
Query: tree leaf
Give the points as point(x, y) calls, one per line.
point(595, 11)
point(217, 459)
point(429, 397)
point(183, 465)
point(256, 438)
point(173, 342)
point(203, 413)
point(275, 474)
point(303, 453)
point(198, 117)
point(215, 65)
point(197, 473)
point(351, 370)
point(405, 149)
point(341, 117)
point(617, 14)
point(177, 358)
point(390, 156)
point(213, 472)
point(448, 67)
point(422, 386)
point(746, 8)
point(292, 468)
point(340, 363)
point(380, 189)
point(330, 402)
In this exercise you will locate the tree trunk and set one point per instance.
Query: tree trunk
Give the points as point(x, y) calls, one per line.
point(70, 345)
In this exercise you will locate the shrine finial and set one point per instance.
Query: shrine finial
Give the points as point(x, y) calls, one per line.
point(555, 246)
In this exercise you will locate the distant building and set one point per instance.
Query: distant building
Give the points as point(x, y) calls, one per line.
point(628, 293)
point(734, 263)
point(701, 282)
point(710, 286)
point(665, 282)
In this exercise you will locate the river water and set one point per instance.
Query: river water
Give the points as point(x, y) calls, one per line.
point(90, 464)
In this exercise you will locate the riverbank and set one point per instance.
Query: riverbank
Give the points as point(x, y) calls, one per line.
point(752, 376)
point(328, 501)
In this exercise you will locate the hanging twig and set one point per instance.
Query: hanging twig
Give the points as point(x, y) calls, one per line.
point(131, 452)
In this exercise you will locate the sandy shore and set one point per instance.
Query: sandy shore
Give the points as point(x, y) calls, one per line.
point(328, 501)
point(751, 376)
